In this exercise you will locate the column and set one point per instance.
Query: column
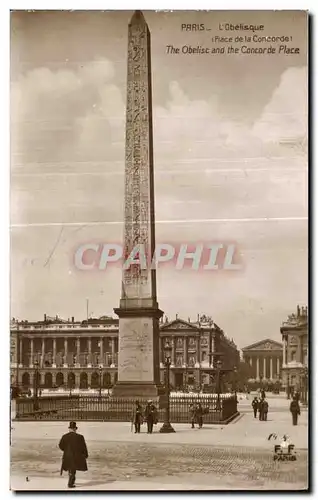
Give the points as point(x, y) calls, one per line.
point(89, 348)
point(161, 360)
point(298, 354)
point(78, 352)
point(101, 350)
point(197, 354)
point(185, 351)
point(277, 367)
point(271, 368)
point(284, 351)
point(54, 353)
point(31, 354)
point(21, 353)
point(212, 349)
point(43, 353)
point(65, 353)
point(257, 368)
point(264, 367)
point(173, 357)
point(113, 353)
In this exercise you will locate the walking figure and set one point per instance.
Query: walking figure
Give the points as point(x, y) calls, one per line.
point(199, 415)
point(260, 409)
point(136, 417)
point(150, 416)
point(294, 410)
point(74, 453)
point(192, 411)
point(265, 409)
point(255, 405)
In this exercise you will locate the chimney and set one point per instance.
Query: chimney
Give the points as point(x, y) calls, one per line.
point(72, 319)
point(189, 321)
point(44, 318)
point(298, 311)
point(198, 318)
point(176, 316)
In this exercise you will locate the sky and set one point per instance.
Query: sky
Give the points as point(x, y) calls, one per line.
point(230, 156)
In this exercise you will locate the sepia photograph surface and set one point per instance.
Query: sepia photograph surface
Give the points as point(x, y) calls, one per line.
point(159, 250)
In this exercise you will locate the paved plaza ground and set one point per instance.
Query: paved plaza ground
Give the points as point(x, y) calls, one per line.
point(234, 456)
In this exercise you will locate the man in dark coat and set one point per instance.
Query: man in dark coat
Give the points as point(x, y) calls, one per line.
point(260, 409)
point(199, 415)
point(255, 405)
point(74, 453)
point(151, 416)
point(136, 417)
point(294, 410)
point(192, 411)
point(265, 409)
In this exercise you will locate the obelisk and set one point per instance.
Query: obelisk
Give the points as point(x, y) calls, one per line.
point(139, 314)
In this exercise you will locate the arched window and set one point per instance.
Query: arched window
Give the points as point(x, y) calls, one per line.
point(59, 379)
point(48, 380)
point(26, 380)
point(107, 381)
point(95, 380)
point(71, 380)
point(83, 381)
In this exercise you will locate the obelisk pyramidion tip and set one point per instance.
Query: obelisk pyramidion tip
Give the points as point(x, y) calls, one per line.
point(138, 18)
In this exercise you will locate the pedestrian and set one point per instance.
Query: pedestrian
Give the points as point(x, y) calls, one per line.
point(74, 453)
point(265, 409)
point(255, 404)
point(136, 417)
point(263, 395)
point(294, 410)
point(192, 411)
point(151, 416)
point(260, 409)
point(199, 415)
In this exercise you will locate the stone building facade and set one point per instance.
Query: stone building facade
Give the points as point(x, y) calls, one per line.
point(266, 360)
point(73, 354)
point(294, 333)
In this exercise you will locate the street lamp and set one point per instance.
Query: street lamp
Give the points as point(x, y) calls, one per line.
point(288, 387)
point(167, 427)
point(218, 383)
point(235, 382)
point(36, 382)
point(305, 385)
point(100, 381)
point(70, 383)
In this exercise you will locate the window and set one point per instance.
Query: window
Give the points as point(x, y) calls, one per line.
point(179, 342)
point(203, 356)
point(293, 356)
point(191, 360)
point(191, 342)
point(179, 361)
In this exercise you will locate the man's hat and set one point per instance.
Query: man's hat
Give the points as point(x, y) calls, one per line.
point(72, 426)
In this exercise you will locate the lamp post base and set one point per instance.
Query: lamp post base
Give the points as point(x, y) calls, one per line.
point(166, 428)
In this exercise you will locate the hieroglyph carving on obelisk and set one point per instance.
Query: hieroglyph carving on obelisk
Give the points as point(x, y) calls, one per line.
point(139, 227)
